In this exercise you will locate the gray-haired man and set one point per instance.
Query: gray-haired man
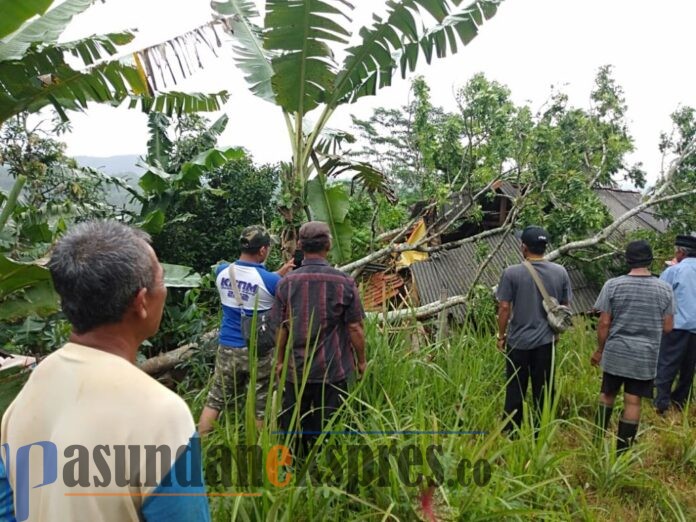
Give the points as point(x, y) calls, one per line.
point(89, 399)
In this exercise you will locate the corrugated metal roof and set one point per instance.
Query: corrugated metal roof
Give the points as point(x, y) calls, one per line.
point(378, 289)
point(454, 270)
point(618, 202)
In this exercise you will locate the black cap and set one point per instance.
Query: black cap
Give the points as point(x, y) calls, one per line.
point(535, 236)
point(686, 242)
point(638, 254)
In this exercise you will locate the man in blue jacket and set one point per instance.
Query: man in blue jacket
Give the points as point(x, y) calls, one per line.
point(678, 348)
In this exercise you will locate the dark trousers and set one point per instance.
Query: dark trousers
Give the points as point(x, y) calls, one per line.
point(677, 356)
point(317, 404)
point(521, 366)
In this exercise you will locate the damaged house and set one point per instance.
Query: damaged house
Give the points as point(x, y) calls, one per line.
point(451, 272)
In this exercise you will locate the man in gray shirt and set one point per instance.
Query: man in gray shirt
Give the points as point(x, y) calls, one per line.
point(529, 338)
point(635, 310)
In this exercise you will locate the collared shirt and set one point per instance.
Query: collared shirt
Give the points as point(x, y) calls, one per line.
point(317, 303)
point(682, 277)
point(256, 288)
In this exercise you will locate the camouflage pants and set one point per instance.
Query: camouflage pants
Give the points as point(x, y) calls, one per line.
point(231, 379)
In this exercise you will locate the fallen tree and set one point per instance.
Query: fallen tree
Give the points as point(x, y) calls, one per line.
point(659, 195)
point(166, 361)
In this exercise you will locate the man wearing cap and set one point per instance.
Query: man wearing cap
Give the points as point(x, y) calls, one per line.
point(678, 349)
point(634, 311)
point(528, 341)
point(256, 289)
point(318, 309)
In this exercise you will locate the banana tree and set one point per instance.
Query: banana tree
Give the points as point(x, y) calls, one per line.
point(290, 61)
point(36, 70)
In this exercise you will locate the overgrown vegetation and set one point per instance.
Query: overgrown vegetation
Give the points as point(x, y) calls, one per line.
point(458, 386)
point(195, 197)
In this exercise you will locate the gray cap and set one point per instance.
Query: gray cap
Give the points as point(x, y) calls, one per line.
point(315, 230)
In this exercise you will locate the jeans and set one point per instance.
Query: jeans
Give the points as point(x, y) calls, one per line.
point(521, 366)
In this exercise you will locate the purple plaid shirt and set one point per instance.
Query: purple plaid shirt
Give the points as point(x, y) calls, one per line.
point(317, 302)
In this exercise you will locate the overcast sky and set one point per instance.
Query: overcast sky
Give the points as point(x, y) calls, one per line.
point(529, 45)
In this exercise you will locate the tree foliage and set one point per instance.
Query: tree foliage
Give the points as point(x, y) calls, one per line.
point(290, 60)
point(197, 198)
point(555, 156)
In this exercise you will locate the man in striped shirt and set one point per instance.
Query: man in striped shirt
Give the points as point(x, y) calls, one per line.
point(320, 319)
point(635, 310)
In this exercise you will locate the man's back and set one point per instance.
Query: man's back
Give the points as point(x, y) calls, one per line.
point(529, 326)
point(318, 302)
point(637, 305)
point(256, 288)
point(682, 278)
point(100, 402)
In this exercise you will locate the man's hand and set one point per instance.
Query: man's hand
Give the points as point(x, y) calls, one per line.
point(287, 267)
point(501, 345)
point(596, 358)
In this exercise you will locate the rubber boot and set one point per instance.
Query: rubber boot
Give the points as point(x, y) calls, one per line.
point(602, 419)
point(626, 435)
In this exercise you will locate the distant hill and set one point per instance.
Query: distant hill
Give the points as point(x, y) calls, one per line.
point(120, 166)
point(123, 166)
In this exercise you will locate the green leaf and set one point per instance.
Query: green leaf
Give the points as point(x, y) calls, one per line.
point(154, 181)
point(331, 140)
point(372, 179)
point(16, 12)
point(43, 30)
point(191, 171)
point(25, 288)
point(369, 66)
point(298, 33)
point(153, 222)
point(330, 204)
point(249, 54)
point(37, 233)
point(94, 48)
point(159, 146)
point(177, 276)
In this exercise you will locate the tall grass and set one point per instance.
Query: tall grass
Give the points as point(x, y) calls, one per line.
point(457, 385)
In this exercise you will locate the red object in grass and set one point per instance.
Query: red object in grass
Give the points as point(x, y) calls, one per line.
point(427, 504)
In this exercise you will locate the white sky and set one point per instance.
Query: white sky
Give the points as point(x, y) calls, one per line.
point(529, 46)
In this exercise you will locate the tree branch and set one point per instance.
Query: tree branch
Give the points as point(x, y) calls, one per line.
point(607, 231)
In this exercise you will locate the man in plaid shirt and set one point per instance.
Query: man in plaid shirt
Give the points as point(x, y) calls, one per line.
point(319, 312)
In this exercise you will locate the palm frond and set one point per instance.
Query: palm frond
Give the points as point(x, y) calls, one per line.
point(368, 176)
point(15, 13)
point(397, 39)
point(93, 49)
point(43, 30)
point(249, 54)
point(173, 60)
point(174, 102)
point(42, 78)
point(299, 33)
